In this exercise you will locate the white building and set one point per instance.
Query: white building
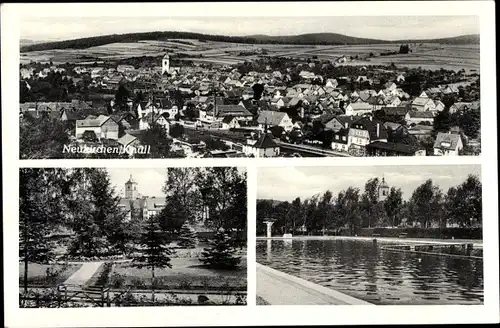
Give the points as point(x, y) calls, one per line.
point(262, 147)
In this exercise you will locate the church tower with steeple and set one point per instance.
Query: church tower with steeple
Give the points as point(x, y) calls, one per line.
point(165, 64)
point(131, 189)
point(383, 190)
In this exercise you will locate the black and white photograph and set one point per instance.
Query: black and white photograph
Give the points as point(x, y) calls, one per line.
point(197, 87)
point(94, 237)
point(405, 235)
point(183, 164)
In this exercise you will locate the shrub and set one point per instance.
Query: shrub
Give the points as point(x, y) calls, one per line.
point(185, 284)
point(126, 299)
point(137, 282)
point(89, 136)
point(117, 280)
point(103, 277)
point(221, 252)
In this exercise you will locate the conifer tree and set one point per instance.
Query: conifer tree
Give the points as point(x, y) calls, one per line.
point(221, 252)
point(152, 250)
point(187, 237)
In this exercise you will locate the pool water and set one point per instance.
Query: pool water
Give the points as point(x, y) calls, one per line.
point(362, 270)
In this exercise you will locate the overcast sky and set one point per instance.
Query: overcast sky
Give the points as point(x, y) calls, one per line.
point(376, 27)
point(287, 183)
point(149, 181)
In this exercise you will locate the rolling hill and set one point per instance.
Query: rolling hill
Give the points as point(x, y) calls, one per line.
point(462, 39)
point(302, 39)
point(315, 38)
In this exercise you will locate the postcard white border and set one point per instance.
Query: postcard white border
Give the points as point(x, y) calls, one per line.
point(251, 314)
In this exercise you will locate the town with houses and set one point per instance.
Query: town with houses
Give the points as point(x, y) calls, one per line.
point(270, 107)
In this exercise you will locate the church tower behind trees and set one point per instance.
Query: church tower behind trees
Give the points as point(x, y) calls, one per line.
point(383, 190)
point(131, 189)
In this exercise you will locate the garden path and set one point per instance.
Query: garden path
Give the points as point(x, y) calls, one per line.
point(83, 274)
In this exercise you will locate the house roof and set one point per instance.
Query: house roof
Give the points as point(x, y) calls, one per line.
point(164, 103)
point(155, 203)
point(417, 114)
point(420, 101)
point(52, 114)
point(360, 106)
point(92, 121)
point(265, 141)
point(294, 101)
point(393, 126)
point(365, 95)
point(126, 139)
point(46, 106)
point(126, 204)
point(227, 119)
point(249, 104)
point(462, 105)
point(236, 110)
point(325, 118)
point(447, 141)
point(343, 119)
point(395, 111)
point(164, 115)
point(270, 117)
point(374, 100)
point(370, 125)
point(72, 115)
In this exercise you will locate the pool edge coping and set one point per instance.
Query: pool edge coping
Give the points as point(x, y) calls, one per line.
point(382, 239)
point(341, 297)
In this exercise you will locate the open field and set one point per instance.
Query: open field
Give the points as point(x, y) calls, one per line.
point(429, 56)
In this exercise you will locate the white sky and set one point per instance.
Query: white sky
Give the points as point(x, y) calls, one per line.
point(287, 183)
point(149, 181)
point(376, 27)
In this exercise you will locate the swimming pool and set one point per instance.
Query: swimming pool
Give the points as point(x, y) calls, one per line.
point(363, 270)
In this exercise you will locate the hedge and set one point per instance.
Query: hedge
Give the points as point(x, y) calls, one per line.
point(439, 233)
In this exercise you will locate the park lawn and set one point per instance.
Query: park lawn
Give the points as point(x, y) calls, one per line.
point(185, 274)
point(37, 273)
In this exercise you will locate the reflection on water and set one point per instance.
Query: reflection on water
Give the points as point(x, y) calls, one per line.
point(362, 270)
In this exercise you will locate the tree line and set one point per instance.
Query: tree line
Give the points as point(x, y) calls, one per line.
point(353, 209)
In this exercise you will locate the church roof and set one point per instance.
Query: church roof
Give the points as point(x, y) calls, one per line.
point(383, 184)
point(130, 180)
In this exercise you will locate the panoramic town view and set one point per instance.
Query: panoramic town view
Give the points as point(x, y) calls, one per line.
point(398, 235)
point(94, 237)
point(176, 94)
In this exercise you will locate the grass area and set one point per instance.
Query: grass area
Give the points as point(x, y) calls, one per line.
point(185, 274)
point(47, 274)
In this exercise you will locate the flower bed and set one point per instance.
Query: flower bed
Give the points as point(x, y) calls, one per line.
point(91, 258)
